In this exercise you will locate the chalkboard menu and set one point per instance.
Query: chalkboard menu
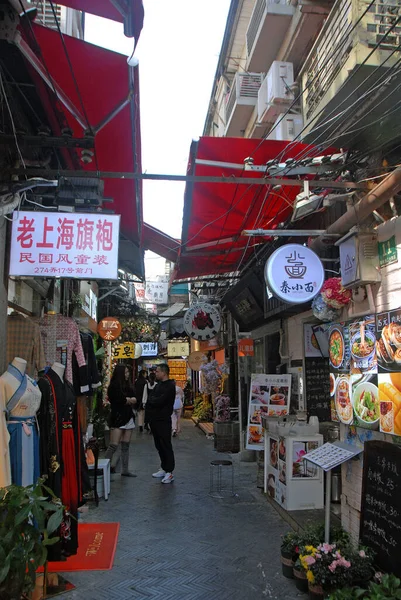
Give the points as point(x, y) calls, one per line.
point(317, 388)
point(381, 506)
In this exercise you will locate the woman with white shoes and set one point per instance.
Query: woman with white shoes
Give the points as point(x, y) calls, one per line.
point(178, 404)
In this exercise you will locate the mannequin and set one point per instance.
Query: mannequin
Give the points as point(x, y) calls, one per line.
point(61, 450)
point(22, 397)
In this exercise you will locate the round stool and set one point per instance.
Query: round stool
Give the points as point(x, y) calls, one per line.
point(219, 484)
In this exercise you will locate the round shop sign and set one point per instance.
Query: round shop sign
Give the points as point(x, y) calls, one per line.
point(202, 321)
point(109, 329)
point(196, 359)
point(294, 274)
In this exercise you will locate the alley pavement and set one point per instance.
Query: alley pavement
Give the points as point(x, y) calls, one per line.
point(178, 543)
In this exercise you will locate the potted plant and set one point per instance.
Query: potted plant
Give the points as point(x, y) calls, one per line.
point(362, 567)
point(289, 547)
point(28, 520)
point(388, 586)
point(327, 569)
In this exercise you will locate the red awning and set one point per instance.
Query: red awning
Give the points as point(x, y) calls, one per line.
point(131, 13)
point(160, 243)
point(215, 214)
point(107, 87)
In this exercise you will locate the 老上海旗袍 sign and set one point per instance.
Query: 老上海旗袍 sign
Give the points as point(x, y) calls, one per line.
point(294, 274)
point(82, 246)
point(202, 321)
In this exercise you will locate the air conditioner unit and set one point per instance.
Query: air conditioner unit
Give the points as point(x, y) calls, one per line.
point(286, 128)
point(274, 95)
point(305, 204)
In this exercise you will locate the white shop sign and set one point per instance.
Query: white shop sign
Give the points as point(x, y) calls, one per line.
point(81, 246)
point(294, 274)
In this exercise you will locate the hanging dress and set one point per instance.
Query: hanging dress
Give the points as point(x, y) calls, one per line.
point(23, 430)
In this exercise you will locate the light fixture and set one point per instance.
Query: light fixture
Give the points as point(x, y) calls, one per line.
point(133, 61)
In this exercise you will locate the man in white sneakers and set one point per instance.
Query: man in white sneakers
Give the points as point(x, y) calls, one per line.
point(159, 408)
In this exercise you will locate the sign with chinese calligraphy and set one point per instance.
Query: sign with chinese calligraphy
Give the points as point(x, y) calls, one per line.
point(109, 329)
point(126, 350)
point(245, 347)
point(294, 274)
point(82, 246)
point(149, 348)
point(202, 321)
point(317, 388)
point(156, 292)
point(177, 349)
point(380, 527)
point(269, 396)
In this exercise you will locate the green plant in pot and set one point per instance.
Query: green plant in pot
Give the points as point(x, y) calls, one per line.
point(328, 568)
point(28, 520)
point(362, 566)
point(289, 548)
point(388, 587)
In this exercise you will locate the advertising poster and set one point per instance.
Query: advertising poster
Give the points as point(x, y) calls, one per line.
point(269, 395)
point(301, 468)
point(339, 366)
point(388, 326)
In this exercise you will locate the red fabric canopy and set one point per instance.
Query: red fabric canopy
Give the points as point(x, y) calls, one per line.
point(160, 243)
point(132, 18)
point(103, 81)
point(215, 214)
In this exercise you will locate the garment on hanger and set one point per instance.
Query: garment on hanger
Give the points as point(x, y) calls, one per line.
point(5, 470)
point(21, 408)
point(24, 340)
point(60, 340)
point(61, 456)
point(91, 373)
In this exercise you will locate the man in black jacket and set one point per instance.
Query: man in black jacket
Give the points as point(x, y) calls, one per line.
point(159, 408)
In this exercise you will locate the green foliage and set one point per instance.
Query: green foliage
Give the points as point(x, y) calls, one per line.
point(28, 520)
point(203, 409)
point(388, 587)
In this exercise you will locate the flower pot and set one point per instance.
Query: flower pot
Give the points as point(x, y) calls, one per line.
point(316, 592)
point(301, 583)
point(287, 564)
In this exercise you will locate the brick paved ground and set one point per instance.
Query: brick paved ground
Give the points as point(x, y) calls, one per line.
point(178, 543)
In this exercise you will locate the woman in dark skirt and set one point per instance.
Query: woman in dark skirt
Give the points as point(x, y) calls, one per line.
point(121, 397)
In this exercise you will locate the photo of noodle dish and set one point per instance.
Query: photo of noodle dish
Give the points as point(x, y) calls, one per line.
point(336, 348)
point(343, 400)
point(388, 347)
point(366, 403)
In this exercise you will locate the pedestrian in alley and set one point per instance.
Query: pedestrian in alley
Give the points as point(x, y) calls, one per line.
point(177, 409)
point(151, 383)
point(159, 408)
point(122, 402)
point(140, 385)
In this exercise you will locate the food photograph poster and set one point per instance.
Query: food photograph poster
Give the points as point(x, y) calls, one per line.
point(269, 395)
point(365, 371)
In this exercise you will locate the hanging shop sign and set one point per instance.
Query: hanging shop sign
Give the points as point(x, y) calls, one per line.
point(294, 274)
point(202, 321)
point(149, 348)
point(156, 292)
point(126, 350)
point(270, 395)
point(177, 349)
point(196, 359)
point(245, 347)
point(81, 246)
point(109, 329)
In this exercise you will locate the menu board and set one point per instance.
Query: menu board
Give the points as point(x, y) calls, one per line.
point(380, 527)
point(269, 395)
point(317, 388)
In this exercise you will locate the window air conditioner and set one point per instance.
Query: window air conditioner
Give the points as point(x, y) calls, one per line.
point(274, 95)
point(286, 128)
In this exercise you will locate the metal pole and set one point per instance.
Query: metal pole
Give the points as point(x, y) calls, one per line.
point(287, 232)
point(327, 508)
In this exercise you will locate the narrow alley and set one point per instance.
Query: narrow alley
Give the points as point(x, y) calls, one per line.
point(178, 543)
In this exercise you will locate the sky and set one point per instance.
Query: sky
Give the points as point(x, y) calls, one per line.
point(178, 52)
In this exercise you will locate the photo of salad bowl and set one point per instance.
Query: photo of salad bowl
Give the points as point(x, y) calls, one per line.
point(366, 403)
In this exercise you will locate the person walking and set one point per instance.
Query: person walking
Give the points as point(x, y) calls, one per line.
point(177, 409)
point(159, 408)
point(122, 402)
point(147, 390)
point(140, 385)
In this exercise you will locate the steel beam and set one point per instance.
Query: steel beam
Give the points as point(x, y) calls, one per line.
point(47, 141)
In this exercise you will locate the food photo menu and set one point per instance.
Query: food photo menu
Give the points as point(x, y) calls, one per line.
point(365, 371)
point(269, 396)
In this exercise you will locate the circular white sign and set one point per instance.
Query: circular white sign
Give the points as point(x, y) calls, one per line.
point(294, 274)
point(202, 321)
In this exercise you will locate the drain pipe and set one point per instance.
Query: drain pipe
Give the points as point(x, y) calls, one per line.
point(373, 200)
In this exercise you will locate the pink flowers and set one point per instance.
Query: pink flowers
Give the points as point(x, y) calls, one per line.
point(340, 562)
point(309, 560)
